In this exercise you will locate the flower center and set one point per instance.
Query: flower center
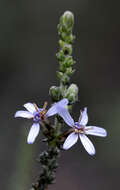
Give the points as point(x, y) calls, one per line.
point(42, 114)
point(79, 128)
point(37, 117)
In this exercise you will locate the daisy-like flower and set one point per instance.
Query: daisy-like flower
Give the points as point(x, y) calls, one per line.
point(80, 130)
point(38, 114)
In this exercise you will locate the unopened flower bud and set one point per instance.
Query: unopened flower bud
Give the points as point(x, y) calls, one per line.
point(67, 49)
point(55, 93)
point(70, 71)
point(65, 79)
point(68, 18)
point(59, 75)
point(61, 43)
point(72, 93)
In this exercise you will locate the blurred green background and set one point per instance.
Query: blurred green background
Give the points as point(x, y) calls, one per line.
point(28, 44)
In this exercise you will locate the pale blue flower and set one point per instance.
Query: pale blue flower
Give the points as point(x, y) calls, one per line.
point(38, 114)
point(80, 130)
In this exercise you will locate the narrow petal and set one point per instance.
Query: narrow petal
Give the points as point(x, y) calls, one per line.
point(97, 131)
point(64, 113)
point(33, 133)
point(84, 117)
point(30, 107)
point(70, 141)
point(64, 102)
point(24, 114)
point(54, 109)
point(87, 144)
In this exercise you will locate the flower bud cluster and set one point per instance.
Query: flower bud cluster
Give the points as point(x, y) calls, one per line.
point(72, 93)
point(66, 61)
point(65, 27)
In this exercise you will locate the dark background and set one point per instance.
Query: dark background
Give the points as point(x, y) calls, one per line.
point(28, 44)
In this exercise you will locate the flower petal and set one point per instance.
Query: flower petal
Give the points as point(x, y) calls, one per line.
point(84, 117)
point(70, 141)
point(64, 113)
point(87, 144)
point(97, 131)
point(24, 114)
point(54, 109)
point(64, 102)
point(33, 133)
point(30, 107)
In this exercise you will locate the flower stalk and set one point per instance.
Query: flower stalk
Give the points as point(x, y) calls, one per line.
point(54, 137)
